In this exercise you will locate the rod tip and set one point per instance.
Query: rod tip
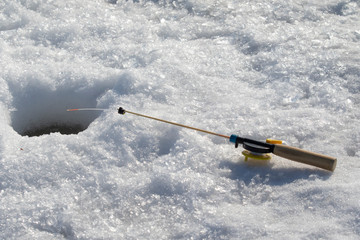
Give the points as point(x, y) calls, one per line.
point(121, 111)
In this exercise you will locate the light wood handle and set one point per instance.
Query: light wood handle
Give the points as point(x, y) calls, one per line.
point(300, 155)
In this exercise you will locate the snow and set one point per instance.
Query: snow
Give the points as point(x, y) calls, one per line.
point(279, 69)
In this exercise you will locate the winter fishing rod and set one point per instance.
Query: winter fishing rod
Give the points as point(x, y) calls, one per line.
point(259, 150)
point(253, 148)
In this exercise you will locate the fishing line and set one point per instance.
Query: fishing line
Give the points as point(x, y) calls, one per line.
point(86, 109)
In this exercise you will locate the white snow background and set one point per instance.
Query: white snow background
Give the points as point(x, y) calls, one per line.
point(278, 69)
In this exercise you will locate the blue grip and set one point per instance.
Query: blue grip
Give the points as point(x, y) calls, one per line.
point(233, 138)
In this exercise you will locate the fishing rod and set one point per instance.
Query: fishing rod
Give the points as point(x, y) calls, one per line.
point(253, 148)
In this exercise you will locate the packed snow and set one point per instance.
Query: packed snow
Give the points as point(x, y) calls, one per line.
point(277, 69)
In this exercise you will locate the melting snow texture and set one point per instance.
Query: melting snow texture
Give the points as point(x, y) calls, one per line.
point(281, 69)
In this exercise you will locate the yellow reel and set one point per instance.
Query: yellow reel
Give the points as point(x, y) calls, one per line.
point(260, 156)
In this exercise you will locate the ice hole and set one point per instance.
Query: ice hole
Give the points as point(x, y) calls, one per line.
point(45, 113)
point(53, 128)
point(59, 121)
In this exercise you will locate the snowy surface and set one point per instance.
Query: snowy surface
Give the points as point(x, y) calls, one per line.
point(281, 69)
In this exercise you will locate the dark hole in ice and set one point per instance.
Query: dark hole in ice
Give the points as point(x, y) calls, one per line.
point(57, 122)
point(37, 122)
point(60, 128)
point(40, 110)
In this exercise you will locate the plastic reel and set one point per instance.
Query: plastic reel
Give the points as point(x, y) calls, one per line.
point(256, 156)
point(260, 156)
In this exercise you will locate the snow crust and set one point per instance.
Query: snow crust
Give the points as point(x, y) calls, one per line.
point(262, 69)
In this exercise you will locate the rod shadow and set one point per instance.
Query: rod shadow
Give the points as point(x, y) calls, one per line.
point(276, 176)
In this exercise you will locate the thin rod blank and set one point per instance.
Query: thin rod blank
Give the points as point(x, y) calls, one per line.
point(178, 124)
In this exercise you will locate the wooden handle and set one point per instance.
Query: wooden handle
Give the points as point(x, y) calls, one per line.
point(311, 158)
